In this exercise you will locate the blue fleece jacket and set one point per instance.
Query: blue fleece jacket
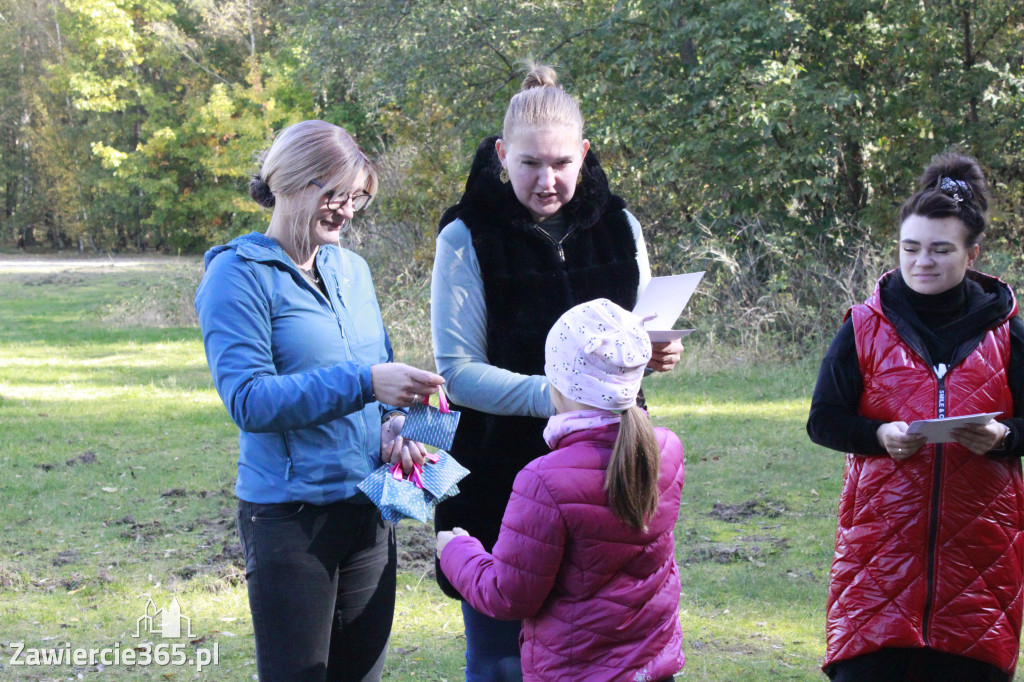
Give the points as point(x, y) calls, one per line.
point(293, 368)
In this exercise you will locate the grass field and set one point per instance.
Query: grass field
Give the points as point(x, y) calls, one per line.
point(117, 464)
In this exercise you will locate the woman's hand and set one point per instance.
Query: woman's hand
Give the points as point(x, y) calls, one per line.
point(397, 450)
point(980, 438)
point(400, 385)
point(445, 536)
point(665, 355)
point(897, 442)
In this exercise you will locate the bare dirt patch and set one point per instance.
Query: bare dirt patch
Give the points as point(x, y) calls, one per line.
point(740, 512)
point(416, 548)
point(753, 548)
point(9, 579)
point(218, 549)
point(87, 457)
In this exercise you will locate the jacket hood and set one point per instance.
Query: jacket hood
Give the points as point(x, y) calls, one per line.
point(258, 247)
point(253, 246)
point(487, 195)
point(990, 303)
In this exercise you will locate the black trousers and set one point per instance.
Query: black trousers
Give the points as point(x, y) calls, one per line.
point(913, 665)
point(321, 583)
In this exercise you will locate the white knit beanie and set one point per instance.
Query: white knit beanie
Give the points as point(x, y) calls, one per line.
point(596, 354)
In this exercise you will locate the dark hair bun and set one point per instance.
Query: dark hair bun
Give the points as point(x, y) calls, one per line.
point(260, 192)
point(951, 186)
point(963, 171)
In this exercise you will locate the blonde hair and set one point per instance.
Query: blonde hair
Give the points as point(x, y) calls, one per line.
point(540, 103)
point(631, 480)
point(303, 152)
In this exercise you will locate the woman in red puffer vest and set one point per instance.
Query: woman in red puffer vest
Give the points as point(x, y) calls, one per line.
point(928, 569)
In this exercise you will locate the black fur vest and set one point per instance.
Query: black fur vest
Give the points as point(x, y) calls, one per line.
point(529, 281)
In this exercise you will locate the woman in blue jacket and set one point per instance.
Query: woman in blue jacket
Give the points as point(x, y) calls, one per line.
point(299, 355)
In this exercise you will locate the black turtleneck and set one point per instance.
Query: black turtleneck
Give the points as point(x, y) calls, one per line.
point(941, 328)
point(936, 318)
point(935, 310)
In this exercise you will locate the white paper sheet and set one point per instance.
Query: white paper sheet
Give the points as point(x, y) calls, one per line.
point(940, 430)
point(668, 334)
point(662, 302)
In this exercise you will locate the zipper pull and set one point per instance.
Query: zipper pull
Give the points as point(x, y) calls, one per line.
point(561, 253)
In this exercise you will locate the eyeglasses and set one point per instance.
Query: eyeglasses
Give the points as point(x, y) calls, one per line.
point(335, 202)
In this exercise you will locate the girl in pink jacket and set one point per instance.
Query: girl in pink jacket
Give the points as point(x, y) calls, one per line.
point(586, 554)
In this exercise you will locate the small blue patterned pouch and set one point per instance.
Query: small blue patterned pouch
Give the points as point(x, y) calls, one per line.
point(430, 425)
point(440, 478)
point(413, 496)
point(402, 495)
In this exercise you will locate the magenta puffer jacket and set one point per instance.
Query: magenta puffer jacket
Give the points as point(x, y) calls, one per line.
point(599, 600)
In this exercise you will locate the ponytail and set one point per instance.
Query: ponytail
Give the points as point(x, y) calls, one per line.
point(632, 477)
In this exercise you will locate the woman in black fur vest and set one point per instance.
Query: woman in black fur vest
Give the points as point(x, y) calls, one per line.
point(536, 232)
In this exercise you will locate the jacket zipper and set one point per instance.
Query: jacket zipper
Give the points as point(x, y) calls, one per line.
point(284, 437)
point(363, 431)
point(323, 297)
point(933, 525)
point(558, 243)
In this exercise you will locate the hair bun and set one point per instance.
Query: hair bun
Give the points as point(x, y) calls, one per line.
point(260, 192)
point(958, 174)
point(539, 76)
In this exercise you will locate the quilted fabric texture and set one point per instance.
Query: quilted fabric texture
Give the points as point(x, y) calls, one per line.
point(599, 600)
point(930, 550)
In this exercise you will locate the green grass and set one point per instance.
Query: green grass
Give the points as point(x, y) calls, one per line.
point(117, 464)
point(754, 539)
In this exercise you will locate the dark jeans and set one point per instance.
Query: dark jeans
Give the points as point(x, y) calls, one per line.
point(913, 665)
point(492, 647)
point(321, 585)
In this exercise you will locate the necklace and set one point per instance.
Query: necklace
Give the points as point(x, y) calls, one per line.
point(311, 275)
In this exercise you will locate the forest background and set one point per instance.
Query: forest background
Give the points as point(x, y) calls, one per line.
point(769, 143)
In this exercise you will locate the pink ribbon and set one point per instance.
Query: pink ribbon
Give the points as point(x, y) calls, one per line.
point(414, 476)
point(441, 399)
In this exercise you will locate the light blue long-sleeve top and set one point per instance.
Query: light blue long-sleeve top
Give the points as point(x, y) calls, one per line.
point(458, 323)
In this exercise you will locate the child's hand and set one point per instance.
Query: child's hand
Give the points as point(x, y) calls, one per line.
point(445, 536)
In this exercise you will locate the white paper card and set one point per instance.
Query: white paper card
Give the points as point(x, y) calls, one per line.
point(940, 430)
point(663, 301)
point(658, 335)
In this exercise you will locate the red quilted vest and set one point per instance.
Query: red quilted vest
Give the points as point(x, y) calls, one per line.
point(929, 551)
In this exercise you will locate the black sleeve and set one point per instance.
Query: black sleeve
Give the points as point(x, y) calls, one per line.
point(1014, 446)
point(834, 421)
